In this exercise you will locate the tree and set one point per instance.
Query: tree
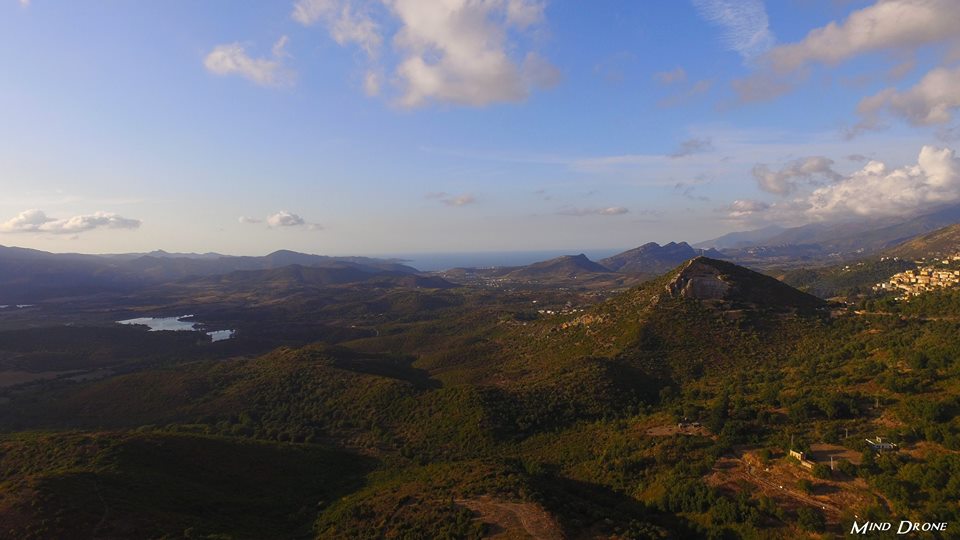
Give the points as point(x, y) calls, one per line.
point(719, 412)
point(821, 470)
point(811, 519)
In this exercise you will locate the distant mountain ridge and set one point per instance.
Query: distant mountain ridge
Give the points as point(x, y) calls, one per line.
point(652, 258)
point(28, 275)
point(848, 237)
point(567, 266)
point(940, 243)
point(741, 239)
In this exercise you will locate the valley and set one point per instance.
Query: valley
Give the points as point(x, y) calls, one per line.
point(567, 398)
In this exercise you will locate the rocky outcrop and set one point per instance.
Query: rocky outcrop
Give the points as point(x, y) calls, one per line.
point(701, 282)
point(714, 281)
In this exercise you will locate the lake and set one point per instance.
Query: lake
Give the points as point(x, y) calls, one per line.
point(178, 324)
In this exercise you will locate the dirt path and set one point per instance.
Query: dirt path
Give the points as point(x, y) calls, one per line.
point(510, 518)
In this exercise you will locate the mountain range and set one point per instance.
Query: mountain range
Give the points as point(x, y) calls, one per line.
point(28, 275)
point(847, 238)
point(352, 394)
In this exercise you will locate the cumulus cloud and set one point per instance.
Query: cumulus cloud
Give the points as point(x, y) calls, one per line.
point(887, 25)
point(932, 101)
point(37, 221)
point(232, 59)
point(285, 219)
point(609, 211)
point(693, 146)
point(876, 190)
point(742, 208)
point(898, 27)
point(785, 181)
point(458, 53)
point(746, 28)
point(454, 51)
point(452, 200)
point(281, 220)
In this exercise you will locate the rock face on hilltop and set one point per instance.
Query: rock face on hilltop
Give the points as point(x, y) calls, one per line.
point(652, 258)
point(717, 281)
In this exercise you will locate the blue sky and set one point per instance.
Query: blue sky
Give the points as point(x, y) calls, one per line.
point(399, 126)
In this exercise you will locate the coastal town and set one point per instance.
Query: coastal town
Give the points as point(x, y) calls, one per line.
point(940, 273)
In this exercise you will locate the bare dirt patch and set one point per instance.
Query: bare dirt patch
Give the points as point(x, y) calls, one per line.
point(780, 479)
point(821, 453)
point(514, 520)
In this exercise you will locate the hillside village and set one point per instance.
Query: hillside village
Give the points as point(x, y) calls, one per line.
point(943, 273)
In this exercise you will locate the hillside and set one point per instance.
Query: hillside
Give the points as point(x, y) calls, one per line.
point(940, 243)
point(567, 266)
point(712, 280)
point(292, 277)
point(155, 484)
point(482, 411)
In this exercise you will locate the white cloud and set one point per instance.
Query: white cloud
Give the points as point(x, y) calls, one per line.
point(24, 3)
point(285, 219)
point(788, 178)
point(348, 22)
point(281, 220)
point(931, 101)
point(897, 27)
point(876, 190)
point(232, 59)
point(745, 24)
point(36, 221)
point(609, 211)
point(742, 208)
point(887, 25)
point(455, 51)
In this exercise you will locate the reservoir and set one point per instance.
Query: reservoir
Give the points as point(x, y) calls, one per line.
point(178, 324)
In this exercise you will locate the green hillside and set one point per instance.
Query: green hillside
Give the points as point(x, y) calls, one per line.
point(639, 416)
